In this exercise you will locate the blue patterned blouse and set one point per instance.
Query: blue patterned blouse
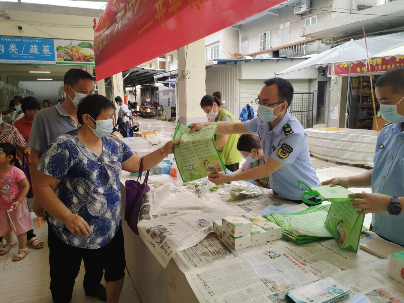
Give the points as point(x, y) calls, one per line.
point(89, 186)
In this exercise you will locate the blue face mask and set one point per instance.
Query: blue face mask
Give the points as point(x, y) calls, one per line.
point(18, 108)
point(77, 98)
point(103, 128)
point(267, 113)
point(250, 159)
point(390, 114)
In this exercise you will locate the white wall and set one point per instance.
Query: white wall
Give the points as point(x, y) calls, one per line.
point(253, 29)
point(268, 68)
point(43, 89)
point(230, 42)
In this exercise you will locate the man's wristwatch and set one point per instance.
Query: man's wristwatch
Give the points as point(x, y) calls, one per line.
point(394, 207)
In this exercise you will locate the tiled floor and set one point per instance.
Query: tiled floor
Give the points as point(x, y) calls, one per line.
point(27, 281)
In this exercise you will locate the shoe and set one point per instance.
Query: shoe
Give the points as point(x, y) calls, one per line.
point(101, 293)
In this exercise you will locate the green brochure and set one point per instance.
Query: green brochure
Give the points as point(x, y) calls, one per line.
point(342, 221)
point(304, 226)
point(196, 156)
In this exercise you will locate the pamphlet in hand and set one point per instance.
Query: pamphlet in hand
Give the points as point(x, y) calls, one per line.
point(324, 291)
point(196, 156)
point(342, 221)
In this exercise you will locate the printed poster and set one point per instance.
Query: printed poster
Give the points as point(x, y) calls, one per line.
point(74, 52)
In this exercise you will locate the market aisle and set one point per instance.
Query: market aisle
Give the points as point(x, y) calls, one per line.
point(27, 281)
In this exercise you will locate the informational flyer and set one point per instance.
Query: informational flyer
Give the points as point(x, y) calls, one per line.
point(196, 156)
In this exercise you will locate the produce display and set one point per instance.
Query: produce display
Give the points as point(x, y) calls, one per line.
point(82, 52)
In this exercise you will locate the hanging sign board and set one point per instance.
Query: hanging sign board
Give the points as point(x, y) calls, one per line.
point(131, 32)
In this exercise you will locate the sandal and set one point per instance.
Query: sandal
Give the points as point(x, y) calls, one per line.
point(22, 253)
point(36, 243)
point(6, 248)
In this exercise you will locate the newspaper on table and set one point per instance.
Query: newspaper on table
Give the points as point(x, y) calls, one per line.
point(203, 254)
point(278, 269)
point(230, 281)
point(196, 156)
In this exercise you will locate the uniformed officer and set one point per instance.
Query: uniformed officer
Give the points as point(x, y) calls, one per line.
point(283, 139)
point(387, 177)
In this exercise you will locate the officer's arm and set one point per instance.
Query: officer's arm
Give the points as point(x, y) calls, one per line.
point(258, 172)
point(362, 180)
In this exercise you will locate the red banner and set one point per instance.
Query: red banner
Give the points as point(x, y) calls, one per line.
point(131, 32)
point(376, 65)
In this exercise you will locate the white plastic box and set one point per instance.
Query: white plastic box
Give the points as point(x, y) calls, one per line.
point(258, 235)
point(237, 242)
point(396, 267)
point(218, 228)
point(274, 232)
point(237, 226)
point(254, 217)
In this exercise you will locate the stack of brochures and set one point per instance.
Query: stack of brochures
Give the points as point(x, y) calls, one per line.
point(324, 291)
point(376, 245)
point(304, 226)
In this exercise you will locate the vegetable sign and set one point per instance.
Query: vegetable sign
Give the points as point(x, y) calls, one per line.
point(21, 50)
point(74, 52)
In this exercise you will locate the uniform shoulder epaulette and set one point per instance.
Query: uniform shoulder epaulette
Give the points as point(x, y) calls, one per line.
point(287, 129)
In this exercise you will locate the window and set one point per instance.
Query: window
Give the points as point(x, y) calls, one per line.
point(265, 40)
point(310, 21)
point(212, 52)
point(283, 35)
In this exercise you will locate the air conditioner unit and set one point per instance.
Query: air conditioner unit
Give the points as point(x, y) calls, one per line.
point(302, 7)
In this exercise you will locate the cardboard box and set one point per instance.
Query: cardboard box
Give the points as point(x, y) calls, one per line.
point(254, 218)
point(258, 235)
point(274, 232)
point(218, 228)
point(236, 225)
point(237, 242)
point(396, 267)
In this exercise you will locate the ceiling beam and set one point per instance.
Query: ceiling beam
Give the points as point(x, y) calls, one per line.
point(51, 9)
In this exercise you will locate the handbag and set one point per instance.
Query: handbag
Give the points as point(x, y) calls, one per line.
point(135, 191)
point(25, 169)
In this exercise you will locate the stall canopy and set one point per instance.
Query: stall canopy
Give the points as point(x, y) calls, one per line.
point(349, 53)
point(131, 32)
point(397, 50)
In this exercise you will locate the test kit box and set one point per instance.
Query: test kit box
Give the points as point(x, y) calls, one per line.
point(238, 226)
point(274, 232)
point(258, 235)
point(254, 218)
point(237, 242)
point(218, 228)
point(396, 267)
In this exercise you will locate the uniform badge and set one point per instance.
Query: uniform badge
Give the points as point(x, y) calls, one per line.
point(287, 129)
point(381, 146)
point(284, 151)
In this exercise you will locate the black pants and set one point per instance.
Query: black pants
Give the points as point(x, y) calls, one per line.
point(65, 261)
point(233, 167)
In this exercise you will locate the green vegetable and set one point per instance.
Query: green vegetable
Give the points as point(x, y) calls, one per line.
point(61, 49)
point(60, 59)
point(67, 58)
point(85, 45)
point(214, 188)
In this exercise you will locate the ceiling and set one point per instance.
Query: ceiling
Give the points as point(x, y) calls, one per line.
point(139, 75)
point(21, 72)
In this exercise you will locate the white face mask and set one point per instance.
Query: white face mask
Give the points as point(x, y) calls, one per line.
point(103, 128)
point(389, 112)
point(251, 159)
point(212, 115)
point(77, 97)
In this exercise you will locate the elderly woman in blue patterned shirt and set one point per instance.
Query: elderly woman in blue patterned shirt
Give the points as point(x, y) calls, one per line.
point(80, 189)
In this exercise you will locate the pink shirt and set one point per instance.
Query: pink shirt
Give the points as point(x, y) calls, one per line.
point(9, 187)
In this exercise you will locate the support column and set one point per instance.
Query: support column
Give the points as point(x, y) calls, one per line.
point(117, 86)
point(191, 82)
point(101, 88)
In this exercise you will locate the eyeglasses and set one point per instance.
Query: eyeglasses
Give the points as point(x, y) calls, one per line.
point(257, 101)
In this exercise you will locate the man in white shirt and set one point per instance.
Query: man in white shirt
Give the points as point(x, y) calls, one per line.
point(123, 110)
